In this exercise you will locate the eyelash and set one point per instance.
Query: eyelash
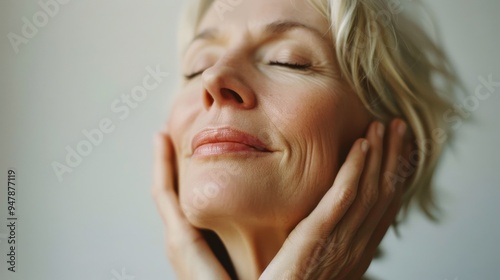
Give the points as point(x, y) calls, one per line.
point(294, 66)
point(193, 75)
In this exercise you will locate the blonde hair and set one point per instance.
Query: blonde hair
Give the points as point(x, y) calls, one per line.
point(396, 69)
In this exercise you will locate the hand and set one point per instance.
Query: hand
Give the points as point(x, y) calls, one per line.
point(186, 247)
point(338, 240)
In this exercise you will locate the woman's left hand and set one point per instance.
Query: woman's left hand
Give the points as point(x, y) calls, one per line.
point(338, 240)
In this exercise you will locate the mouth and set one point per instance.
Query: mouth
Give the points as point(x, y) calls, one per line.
point(221, 141)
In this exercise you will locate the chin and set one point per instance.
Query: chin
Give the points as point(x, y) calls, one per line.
point(220, 189)
point(213, 197)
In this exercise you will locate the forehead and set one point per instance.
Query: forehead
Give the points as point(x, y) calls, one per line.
point(253, 14)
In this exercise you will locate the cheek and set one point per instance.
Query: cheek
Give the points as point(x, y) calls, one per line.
point(313, 120)
point(181, 120)
point(319, 126)
point(185, 109)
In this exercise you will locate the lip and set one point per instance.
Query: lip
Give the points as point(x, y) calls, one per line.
point(219, 141)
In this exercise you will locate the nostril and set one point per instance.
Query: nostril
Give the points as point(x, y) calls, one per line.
point(209, 100)
point(231, 94)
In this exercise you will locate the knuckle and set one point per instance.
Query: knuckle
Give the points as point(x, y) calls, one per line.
point(348, 260)
point(347, 196)
point(339, 246)
point(388, 191)
point(370, 195)
point(356, 254)
point(340, 257)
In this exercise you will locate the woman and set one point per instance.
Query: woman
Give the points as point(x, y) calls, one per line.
point(300, 130)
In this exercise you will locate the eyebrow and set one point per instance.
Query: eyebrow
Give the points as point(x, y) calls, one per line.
point(283, 26)
point(207, 34)
point(274, 28)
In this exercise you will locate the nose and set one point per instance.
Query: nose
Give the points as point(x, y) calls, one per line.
point(224, 86)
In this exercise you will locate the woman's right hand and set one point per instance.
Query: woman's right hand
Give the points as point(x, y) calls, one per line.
point(187, 249)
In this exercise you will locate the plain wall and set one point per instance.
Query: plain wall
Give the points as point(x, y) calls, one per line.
point(100, 221)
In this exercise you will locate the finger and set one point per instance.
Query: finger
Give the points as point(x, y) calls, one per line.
point(410, 162)
point(378, 235)
point(163, 164)
point(387, 187)
point(355, 217)
point(392, 161)
point(368, 187)
point(341, 195)
point(371, 175)
point(163, 190)
point(386, 208)
point(387, 180)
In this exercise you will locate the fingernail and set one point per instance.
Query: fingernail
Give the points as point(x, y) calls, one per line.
point(380, 130)
point(365, 146)
point(402, 128)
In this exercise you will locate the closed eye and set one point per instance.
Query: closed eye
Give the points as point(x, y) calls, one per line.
point(296, 66)
point(193, 75)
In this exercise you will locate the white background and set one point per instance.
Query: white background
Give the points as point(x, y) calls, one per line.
point(100, 219)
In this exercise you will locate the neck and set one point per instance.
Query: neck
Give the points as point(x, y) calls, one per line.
point(251, 249)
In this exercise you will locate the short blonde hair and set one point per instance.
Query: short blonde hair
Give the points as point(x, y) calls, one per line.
point(396, 69)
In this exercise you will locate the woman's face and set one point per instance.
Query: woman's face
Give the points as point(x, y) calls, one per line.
point(264, 120)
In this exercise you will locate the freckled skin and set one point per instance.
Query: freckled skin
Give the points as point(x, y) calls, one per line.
point(307, 117)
